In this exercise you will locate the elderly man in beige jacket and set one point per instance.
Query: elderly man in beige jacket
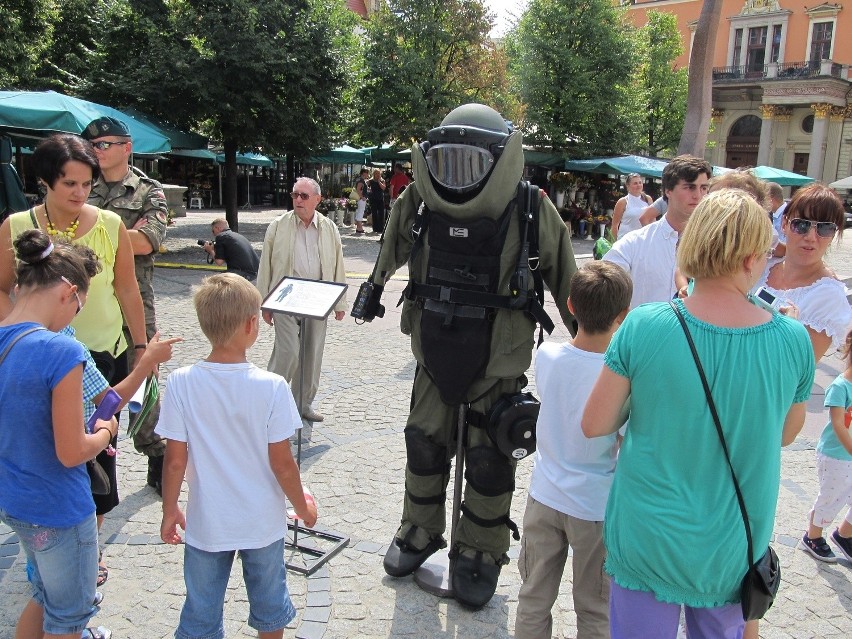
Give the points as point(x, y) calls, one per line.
point(301, 243)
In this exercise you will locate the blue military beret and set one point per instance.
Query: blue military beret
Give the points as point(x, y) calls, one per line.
point(105, 126)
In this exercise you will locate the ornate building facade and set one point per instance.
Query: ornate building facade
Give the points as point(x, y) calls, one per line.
point(782, 94)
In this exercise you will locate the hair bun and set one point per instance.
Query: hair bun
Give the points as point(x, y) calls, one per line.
point(32, 246)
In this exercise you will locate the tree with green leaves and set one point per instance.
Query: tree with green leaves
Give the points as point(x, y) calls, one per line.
point(25, 38)
point(665, 85)
point(423, 58)
point(263, 75)
point(573, 63)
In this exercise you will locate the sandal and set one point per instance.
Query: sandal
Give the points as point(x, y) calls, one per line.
point(103, 573)
point(96, 633)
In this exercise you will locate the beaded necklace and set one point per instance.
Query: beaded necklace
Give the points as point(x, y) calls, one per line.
point(68, 233)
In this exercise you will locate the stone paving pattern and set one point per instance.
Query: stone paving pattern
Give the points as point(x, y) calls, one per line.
point(353, 463)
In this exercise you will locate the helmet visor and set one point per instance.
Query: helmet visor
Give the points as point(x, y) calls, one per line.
point(459, 167)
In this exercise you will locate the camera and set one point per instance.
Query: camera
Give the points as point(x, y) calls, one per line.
point(766, 300)
point(201, 242)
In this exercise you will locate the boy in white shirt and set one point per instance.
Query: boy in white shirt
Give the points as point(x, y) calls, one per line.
point(572, 475)
point(228, 423)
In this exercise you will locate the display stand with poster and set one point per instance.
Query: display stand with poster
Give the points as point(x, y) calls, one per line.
point(304, 300)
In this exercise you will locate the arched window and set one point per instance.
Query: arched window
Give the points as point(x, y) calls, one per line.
point(743, 141)
point(747, 126)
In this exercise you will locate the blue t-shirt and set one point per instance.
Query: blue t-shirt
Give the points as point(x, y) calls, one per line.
point(672, 525)
point(34, 485)
point(839, 393)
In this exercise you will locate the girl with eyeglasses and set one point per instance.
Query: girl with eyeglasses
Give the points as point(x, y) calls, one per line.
point(45, 496)
point(813, 218)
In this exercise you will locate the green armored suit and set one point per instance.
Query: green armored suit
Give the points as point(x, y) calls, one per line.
point(470, 347)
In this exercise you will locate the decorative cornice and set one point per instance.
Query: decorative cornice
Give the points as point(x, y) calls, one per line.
point(822, 90)
point(821, 110)
point(824, 10)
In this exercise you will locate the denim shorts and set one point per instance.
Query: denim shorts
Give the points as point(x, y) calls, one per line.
point(206, 576)
point(64, 570)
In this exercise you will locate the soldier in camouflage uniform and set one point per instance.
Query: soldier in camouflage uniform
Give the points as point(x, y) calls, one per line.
point(141, 203)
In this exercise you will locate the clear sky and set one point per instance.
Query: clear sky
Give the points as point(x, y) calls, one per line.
point(507, 11)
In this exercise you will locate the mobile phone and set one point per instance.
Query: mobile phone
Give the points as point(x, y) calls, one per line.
point(766, 300)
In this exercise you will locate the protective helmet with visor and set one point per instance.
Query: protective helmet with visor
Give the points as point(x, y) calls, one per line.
point(463, 150)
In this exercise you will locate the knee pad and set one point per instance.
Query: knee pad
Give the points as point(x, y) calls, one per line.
point(489, 472)
point(425, 457)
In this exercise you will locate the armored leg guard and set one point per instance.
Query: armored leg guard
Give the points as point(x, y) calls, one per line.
point(483, 538)
point(403, 557)
point(423, 515)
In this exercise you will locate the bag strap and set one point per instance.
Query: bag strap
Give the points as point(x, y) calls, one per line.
point(715, 415)
point(17, 338)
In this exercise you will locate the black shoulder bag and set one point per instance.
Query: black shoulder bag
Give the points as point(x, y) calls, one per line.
point(761, 581)
point(97, 475)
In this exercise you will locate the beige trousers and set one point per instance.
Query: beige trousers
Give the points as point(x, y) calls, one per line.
point(285, 355)
point(544, 550)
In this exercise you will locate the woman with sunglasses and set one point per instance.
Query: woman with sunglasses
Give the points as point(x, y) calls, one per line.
point(45, 496)
point(66, 165)
point(811, 221)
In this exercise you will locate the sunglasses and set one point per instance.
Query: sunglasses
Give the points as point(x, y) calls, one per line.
point(296, 195)
point(803, 227)
point(103, 146)
point(79, 303)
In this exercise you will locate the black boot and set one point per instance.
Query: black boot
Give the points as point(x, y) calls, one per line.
point(474, 578)
point(402, 559)
point(155, 474)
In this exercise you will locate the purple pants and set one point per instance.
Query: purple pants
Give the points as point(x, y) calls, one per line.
point(636, 614)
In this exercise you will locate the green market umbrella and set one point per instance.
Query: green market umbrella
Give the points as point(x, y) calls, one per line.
point(341, 155)
point(780, 176)
point(251, 159)
point(178, 138)
point(47, 112)
point(12, 197)
point(382, 153)
point(621, 165)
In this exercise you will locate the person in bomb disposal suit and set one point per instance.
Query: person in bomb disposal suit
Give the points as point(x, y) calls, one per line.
point(471, 309)
point(141, 203)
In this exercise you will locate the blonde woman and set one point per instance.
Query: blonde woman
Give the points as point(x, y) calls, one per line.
point(673, 528)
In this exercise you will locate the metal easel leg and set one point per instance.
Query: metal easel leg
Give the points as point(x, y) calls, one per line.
point(339, 541)
point(435, 575)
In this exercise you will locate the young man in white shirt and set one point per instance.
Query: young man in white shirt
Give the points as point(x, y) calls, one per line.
point(648, 254)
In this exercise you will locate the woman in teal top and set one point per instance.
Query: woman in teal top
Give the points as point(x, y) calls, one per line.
point(674, 533)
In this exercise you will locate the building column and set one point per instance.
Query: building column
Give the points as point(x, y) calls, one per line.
point(833, 144)
point(767, 112)
point(717, 153)
point(781, 133)
point(816, 159)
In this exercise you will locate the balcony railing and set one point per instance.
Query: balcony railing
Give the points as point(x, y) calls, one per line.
point(778, 71)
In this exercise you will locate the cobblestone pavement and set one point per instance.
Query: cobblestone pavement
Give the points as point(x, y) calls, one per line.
point(353, 463)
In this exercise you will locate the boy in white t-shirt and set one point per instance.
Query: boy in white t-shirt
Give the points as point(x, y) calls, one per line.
point(572, 475)
point(227, 423)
